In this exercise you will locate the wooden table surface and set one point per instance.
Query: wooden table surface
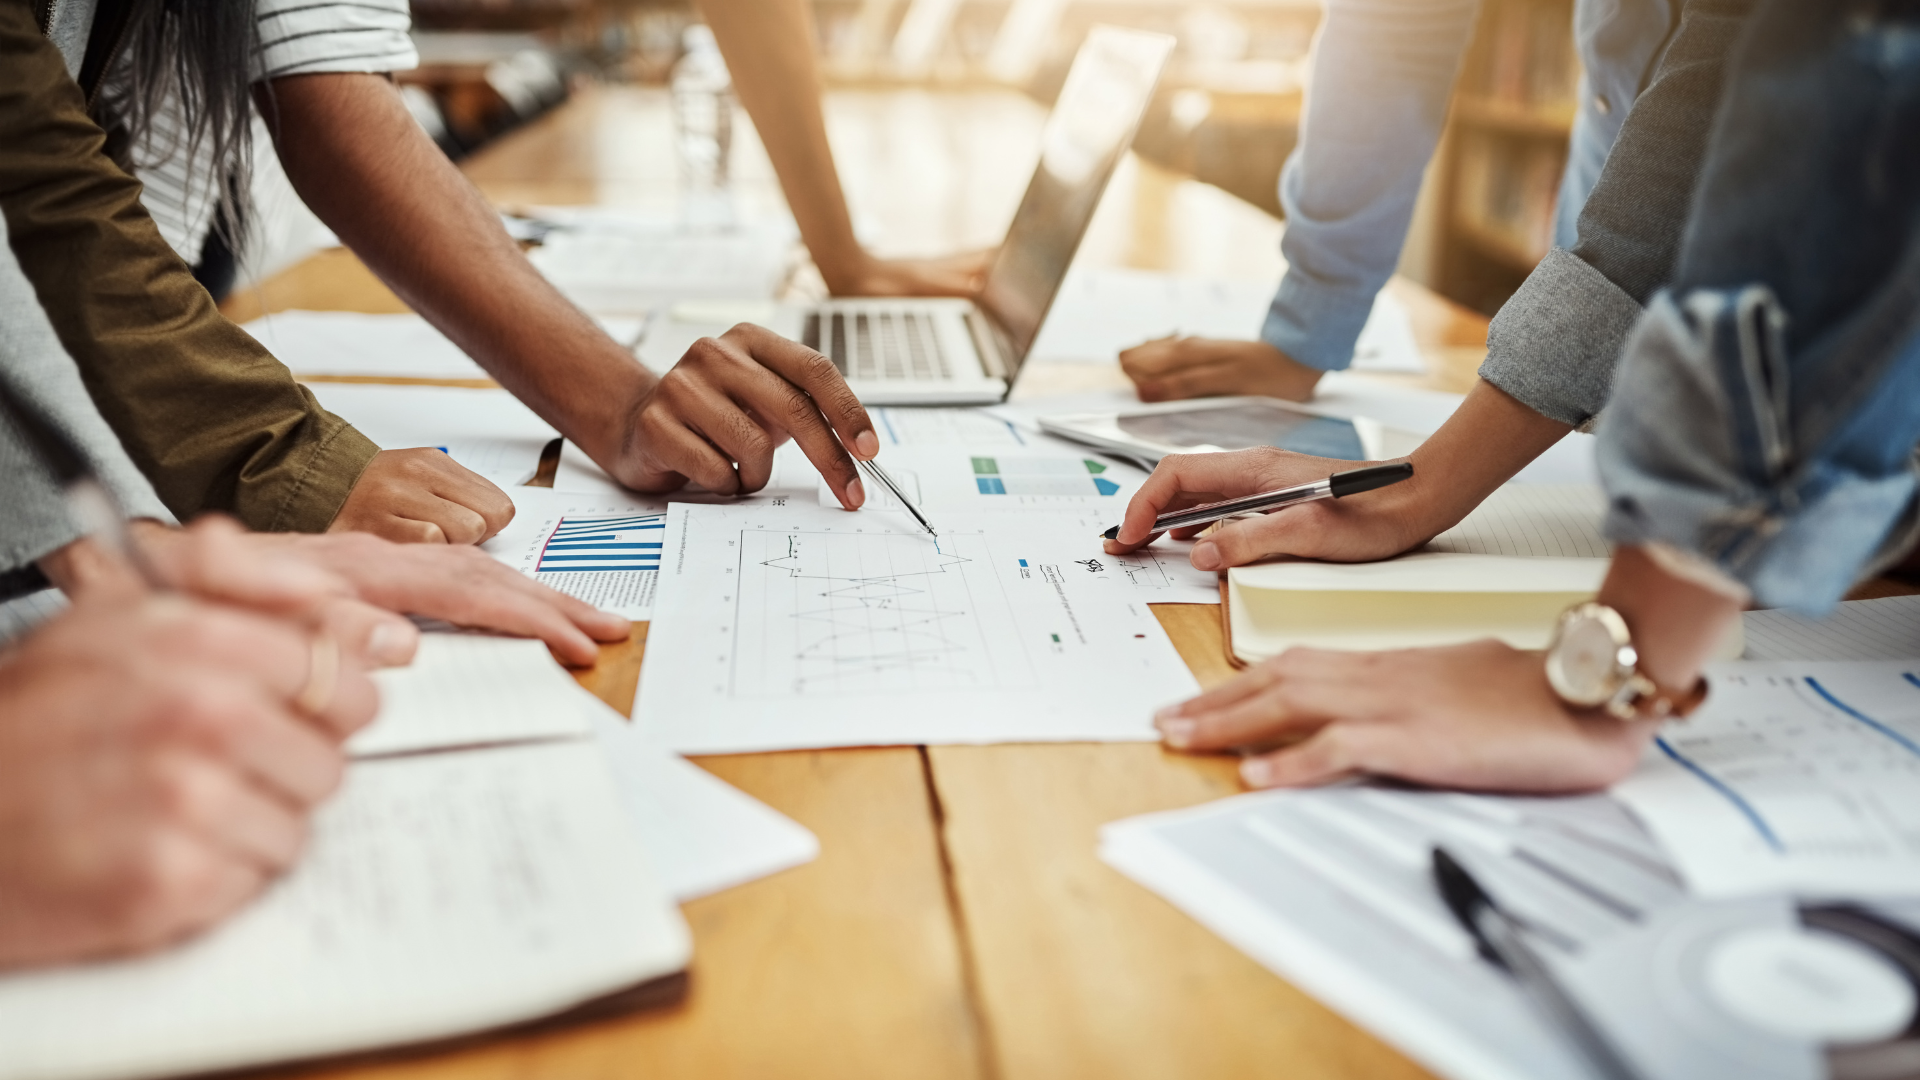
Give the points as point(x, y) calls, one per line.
point(958, 922)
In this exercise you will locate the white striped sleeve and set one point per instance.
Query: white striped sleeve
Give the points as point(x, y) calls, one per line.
point(298, 37)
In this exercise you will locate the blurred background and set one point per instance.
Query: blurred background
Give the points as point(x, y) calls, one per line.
point(1225, 114)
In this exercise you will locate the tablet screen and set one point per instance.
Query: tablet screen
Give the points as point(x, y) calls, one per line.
point(1245, 424)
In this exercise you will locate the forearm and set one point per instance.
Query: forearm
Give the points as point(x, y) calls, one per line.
point(359, 160)
point(768, 46)
point(1482, 445)
point(1382, 77)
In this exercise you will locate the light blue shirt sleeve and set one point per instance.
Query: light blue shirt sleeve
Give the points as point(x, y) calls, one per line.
point(1383, 71)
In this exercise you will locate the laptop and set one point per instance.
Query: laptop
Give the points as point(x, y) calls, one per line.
point(934, 351)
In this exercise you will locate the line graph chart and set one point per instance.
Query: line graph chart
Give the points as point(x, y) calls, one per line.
point(839, 612)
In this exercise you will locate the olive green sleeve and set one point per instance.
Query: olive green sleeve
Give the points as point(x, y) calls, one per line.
point(212, 419)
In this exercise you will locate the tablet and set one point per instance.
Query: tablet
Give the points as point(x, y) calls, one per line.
point(1212, 424)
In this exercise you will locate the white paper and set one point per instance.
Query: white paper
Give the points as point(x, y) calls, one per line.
point(1332, 890)
point(390, 346)
point(1883, 629)
point(470, 689)
point(792, 472)
point(975, 428)
point(1047, 477)
point(603, 550)
point(440, 894)
point(1429, 571)
point(633, 272)
point(1800, 777)
point(1559, 521)
point(488, 431)
point(703, 834)
point(783, 627)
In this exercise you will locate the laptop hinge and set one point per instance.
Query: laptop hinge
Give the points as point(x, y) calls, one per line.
point(989, 344)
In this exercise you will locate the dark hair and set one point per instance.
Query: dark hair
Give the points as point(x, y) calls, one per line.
point(198, 53)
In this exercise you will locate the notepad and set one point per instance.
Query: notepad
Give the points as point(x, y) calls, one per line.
point(444, 892)
point(1507, 571)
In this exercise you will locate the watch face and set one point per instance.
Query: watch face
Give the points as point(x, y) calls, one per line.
point(1584, 664)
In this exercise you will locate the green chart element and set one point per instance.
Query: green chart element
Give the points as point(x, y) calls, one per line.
point(1041, 476)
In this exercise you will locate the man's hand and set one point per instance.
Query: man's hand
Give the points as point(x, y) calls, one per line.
point(422, 496)
point(1177, 368)
point(954, 275)
point(1477, 716)
point(1372, 525)
point(155, 771)
point(719, 415)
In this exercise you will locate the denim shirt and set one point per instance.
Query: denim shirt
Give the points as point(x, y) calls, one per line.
point(1767, 407)
point(1383, 72)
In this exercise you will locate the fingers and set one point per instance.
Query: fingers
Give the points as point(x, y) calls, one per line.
point(1282, 698)
point(811, 402)
point(467, 587)
point(215, 559)
point(740, 395)
point(380, 638)
point(1196, 478)
point(218, 805)
point(226, 721)
point(180, 883)
point(1336, 752)
point(423, 496)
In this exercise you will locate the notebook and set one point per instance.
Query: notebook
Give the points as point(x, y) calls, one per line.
point(1506, 571)
point(475, 871)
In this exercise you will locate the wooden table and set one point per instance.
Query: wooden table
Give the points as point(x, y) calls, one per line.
point(957, 923)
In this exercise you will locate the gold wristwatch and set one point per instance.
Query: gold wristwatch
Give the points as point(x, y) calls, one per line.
point(1591, 663)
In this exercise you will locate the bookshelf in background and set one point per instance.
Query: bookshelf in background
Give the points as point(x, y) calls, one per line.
point(1504, 150)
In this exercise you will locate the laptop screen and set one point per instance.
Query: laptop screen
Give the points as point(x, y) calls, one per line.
point(1092, 124)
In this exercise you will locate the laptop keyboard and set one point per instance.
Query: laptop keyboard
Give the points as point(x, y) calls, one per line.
point(878, 345)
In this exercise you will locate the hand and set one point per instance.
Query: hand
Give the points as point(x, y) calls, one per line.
point(719, 415)
point(422, 496)
point(462, 585)
point(954, 275)
point(1477, 716)
point(1177, 368)
point(1359, 528)
point(155, 772)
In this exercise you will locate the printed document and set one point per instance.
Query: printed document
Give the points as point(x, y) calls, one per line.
point(1332, 890)
point(1798, 777)
point(781, 625)
point(603, 550)
point(1883, 629)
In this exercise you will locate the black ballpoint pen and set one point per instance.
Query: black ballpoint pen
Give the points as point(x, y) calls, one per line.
point(1502, 942)
point(1340, 484)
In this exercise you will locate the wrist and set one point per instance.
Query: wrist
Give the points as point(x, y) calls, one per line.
point(1678, 622)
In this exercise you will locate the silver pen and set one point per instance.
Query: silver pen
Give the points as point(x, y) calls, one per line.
point(873, 469)
point(1351, 482)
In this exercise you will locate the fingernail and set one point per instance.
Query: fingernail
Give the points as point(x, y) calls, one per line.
point(867, 443)
point(1206, 556)
point(392, 644)
point(856, 494)
point(1175, 731)
point(1256, 772)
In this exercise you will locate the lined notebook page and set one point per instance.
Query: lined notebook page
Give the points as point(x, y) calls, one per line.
point(468, 689)
point(1884, 629)
point(1532, 520)
point(440, 894)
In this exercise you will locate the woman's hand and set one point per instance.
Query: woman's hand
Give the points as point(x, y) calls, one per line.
point(1477, 716)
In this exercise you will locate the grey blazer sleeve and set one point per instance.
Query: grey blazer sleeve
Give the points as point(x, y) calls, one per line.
point(35, 520)
point(1554, 345)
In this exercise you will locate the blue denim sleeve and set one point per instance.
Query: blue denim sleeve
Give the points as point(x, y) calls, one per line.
point(1382, 73)
point(1700, 449)
point(1763, 415)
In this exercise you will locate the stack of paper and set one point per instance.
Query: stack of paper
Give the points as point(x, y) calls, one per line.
point(1521, 558)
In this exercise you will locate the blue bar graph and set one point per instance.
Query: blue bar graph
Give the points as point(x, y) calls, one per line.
point(581, 544)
